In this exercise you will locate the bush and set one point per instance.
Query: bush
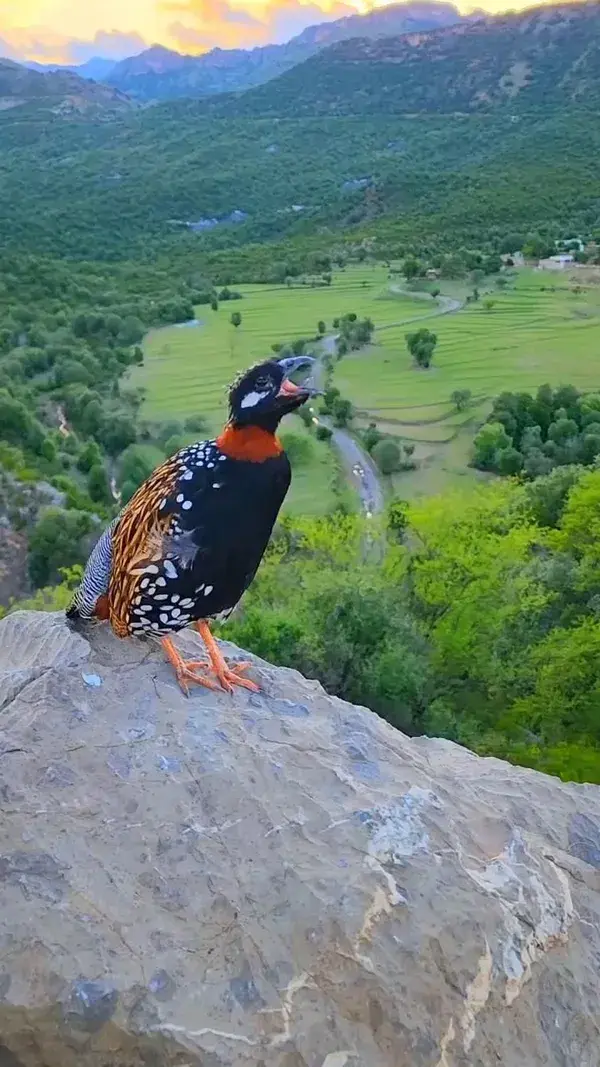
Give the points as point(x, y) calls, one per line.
point(298, 448)
point(57, 541)
point(386, 454)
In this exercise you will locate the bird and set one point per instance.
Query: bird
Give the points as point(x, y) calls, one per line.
point(187, 545)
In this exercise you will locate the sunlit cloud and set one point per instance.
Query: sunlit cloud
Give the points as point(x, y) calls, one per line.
point(203, 24)
point(68, 32)
point(45, 46)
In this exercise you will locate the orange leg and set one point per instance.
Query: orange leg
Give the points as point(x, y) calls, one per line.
point(186, 669)
point(227, 676)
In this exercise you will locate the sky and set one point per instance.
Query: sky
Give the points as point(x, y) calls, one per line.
point(71, 31)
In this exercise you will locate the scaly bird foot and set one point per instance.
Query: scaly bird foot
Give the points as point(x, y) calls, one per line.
point(228, 676)
point(186, 671)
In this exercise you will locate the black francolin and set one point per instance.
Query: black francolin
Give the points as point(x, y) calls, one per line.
point(187, 545)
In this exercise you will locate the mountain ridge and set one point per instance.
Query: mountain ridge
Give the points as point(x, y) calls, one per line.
point(56, 91)
point(532, 58)
point(160, 73)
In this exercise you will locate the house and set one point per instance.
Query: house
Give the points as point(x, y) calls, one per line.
point(559, 262)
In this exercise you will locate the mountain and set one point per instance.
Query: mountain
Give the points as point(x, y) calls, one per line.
point(160, 74)
point(543, 58)
point(445, 137)
point(97, 68)
point(59, 92)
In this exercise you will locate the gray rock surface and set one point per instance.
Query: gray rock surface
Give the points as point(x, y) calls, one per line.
point(275, 881)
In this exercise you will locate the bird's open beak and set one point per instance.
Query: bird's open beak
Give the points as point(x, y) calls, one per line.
point(291, 364)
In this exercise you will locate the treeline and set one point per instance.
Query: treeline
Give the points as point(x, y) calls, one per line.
point(530, 435)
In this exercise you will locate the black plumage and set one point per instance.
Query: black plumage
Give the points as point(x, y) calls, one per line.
point(189, 542)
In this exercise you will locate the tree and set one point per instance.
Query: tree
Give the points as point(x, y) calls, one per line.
point(421, 344)
point(329, 397)
point(321, 327)
point(214, 305)
point(371, 436)
point(236, 319)
point(386, 454)
point(508, 461)
point(411, 268)
point(342, 411)
point(117, 433)
point(132, 330)
point(435, 292)
point(489, 303)
point(397, 518)
point(323, 433)
point(57, 541)
point(490, 440)
point(460, 398)
point(98, 485)
point(89, 457)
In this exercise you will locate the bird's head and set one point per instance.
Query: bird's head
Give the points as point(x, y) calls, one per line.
point(262, 395)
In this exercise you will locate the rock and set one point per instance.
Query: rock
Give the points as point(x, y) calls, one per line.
point(275, 881)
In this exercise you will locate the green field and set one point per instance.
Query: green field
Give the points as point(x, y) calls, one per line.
point(539, 330)
point(187, 368)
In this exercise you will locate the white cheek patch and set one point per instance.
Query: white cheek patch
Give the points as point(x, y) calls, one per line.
point(252, 399)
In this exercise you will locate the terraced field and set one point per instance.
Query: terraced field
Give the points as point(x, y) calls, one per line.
point(542, 330)
point(539, 330)
point(187, 368)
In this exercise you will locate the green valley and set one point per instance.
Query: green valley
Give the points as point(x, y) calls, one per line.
point(383, 206)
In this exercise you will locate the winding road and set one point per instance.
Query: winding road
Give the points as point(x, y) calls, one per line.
point(360, 469)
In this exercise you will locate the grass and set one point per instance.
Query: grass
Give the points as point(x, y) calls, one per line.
point(540, 330)
point(187, 369)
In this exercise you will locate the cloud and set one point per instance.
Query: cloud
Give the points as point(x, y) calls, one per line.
point(108, 43)
point(204, 24)
point(43, 45)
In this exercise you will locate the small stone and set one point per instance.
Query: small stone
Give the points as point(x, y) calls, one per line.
point(91, 1005)
point(93, 680)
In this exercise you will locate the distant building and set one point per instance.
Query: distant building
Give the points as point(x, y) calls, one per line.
point(559, 262)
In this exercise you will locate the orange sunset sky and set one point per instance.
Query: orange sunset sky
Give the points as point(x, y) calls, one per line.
point(74, 30)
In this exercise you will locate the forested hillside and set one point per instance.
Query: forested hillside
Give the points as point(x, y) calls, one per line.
point(54, 93)
point(540, 59)
point(291, 157)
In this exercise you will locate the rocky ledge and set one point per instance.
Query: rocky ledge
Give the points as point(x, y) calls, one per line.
point(279, 880)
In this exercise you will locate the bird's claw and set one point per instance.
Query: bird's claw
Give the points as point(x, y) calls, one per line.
point(186, 671)
point(230, 677)
point(225, 679)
